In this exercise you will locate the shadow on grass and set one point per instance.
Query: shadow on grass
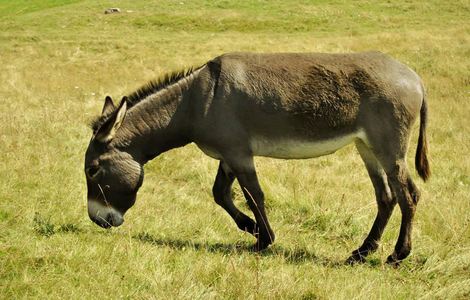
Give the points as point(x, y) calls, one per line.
point(293, 256)
point(44, 227)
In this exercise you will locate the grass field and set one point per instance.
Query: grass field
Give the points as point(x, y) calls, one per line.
point(59, 59)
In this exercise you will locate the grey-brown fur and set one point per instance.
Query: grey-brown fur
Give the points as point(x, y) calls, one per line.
point(240, 105)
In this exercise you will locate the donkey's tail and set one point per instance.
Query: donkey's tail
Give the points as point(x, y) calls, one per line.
point(421, 158)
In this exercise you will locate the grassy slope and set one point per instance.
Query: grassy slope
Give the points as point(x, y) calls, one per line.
point(59, 59)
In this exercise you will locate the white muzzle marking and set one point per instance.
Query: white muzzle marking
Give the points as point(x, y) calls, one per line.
point(104, 213)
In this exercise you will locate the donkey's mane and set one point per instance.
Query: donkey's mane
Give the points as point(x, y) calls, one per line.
point(144, 91)
point(156, 85)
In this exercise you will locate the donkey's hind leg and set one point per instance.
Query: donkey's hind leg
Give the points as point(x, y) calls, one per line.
point(407, 196)
point(385, 203)
point(222, 194)
point(392, 157)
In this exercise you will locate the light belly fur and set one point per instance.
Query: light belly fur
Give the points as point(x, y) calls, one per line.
point(296, 149)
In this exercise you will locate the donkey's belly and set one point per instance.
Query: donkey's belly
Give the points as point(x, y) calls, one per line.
point(298, 149)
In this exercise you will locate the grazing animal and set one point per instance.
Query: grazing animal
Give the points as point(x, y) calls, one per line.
point(289, 106)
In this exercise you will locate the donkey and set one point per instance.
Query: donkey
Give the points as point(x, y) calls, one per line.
point(288, 106)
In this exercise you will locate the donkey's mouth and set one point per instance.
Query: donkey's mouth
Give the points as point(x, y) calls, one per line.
point(104, 224)
point(111, 220)
point(104, 216)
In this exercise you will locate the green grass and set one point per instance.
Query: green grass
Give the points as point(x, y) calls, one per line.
point(58, 59)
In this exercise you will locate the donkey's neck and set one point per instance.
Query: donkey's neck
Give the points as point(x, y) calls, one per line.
point(159, 122)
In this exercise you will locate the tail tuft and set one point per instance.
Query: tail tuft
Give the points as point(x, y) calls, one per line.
point(421, 159)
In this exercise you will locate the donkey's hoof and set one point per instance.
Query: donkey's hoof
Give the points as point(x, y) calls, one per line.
point(393, 261)
point(396, 258)
point(359, 255)
point(260, 246)
point(356, 258)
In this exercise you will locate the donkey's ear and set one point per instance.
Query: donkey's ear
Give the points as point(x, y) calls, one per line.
point(108, 106)
point(108, 130)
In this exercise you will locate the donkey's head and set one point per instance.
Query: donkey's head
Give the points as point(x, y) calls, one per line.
point(113, 176)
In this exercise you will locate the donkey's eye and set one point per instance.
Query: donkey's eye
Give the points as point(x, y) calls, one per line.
point(92, 171)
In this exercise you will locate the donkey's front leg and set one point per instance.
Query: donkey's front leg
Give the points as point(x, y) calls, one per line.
point(222, 194)
point(245, 172)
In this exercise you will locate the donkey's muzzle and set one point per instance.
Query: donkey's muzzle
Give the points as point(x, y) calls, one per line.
point(104, 216)
point(111, 220)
